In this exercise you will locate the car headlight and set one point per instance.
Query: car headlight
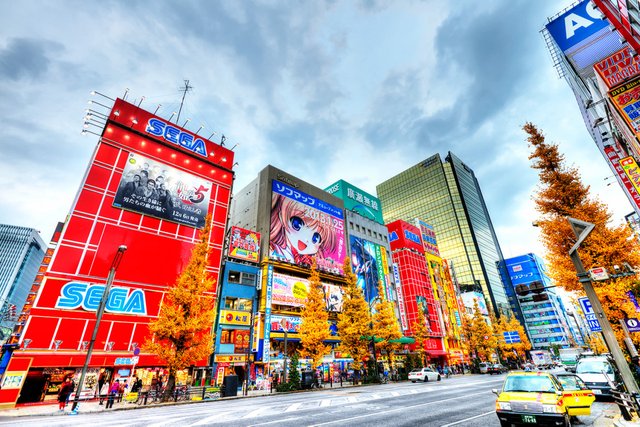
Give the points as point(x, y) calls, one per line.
point(503, 406)
point(553, 409)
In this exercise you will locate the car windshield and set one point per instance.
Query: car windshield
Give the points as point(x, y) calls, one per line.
point(593, 367)
point(415, 371)
point(529, 384)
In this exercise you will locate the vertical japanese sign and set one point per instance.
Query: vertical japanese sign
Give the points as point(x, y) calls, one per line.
point(266, 345)
point(613, 157)
point(401, 307)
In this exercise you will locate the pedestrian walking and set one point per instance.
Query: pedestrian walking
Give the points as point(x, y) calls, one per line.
point(101, 381)
point(63, 393)
point(113, 392)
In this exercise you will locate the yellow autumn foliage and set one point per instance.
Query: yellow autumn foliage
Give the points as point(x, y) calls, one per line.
point(314, 321)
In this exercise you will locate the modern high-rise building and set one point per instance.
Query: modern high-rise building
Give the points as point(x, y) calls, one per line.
point(447, 195)
point(545, 317)
point(21, 251)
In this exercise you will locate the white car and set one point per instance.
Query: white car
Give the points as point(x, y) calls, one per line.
point(424, 374)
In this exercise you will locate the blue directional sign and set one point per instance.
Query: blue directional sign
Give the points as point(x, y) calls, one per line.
point(511, 337)
point(589, 315)
point(633, 325)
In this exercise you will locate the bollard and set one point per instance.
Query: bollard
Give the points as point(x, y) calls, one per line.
point(146, 396)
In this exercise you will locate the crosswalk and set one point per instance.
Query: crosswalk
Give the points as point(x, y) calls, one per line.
point(259, 410)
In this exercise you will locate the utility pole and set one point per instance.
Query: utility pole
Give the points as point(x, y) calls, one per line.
point(582, 230)
point(184, 91)
point(103, 303)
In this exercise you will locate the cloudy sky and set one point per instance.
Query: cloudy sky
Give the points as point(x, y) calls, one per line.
point(325, 90)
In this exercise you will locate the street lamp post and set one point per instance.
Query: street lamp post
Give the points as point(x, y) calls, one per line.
point(582, 230)
point(103, 302)
point(283, 323)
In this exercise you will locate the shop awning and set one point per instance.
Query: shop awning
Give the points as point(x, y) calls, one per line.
point(401, 340)
point(404, 340)
point(437, 353)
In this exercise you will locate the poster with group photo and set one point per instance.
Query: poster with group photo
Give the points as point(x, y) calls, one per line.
point(156, 189)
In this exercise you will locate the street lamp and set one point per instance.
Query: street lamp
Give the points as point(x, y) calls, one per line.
point(283, 324)
point(582, 230)
point(103, 302)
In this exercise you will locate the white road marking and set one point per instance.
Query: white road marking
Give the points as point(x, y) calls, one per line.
point(274, 421)
point(325, 402)
point(470, 418)
point(403, 408)
point(294, 407)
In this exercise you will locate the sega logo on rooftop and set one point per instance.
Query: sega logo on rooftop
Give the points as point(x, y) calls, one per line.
point(121, 300)
point(174, 135)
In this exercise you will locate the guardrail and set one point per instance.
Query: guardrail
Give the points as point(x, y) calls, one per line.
point(150, 397)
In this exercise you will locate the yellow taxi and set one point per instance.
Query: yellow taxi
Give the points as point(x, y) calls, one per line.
point(542, 399)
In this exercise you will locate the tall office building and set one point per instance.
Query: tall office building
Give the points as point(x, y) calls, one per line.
point(447, 195)
point(21, 251)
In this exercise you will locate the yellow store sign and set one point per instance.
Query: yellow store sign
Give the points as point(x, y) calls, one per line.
point(232, 317)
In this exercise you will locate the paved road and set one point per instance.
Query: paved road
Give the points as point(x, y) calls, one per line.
point(463, 401)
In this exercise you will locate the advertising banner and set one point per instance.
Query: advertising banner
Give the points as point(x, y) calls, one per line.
point(288, 290)
point(618, 68)
point(333, 297)
point(244, 244)
point(469, 298)
point(157, 189)
point(626, 99)
point(292, 291)
point(291, 324)
point(630, 168)
point(428, 238)
point(304, 228)
point(365, 266)
point(613, 157)
point(357, 200)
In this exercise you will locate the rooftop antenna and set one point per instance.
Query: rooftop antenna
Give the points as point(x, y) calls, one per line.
point(184, 91)
point(126, 91)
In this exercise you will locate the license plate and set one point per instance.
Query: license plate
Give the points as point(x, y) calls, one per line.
point(529, 419)
point(597, 392)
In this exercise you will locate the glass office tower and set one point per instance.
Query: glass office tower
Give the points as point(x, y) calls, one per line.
point(448, 196)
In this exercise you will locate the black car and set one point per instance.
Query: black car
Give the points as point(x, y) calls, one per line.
point(496, 369)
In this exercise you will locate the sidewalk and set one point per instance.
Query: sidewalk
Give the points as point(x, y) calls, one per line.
point(92, 406)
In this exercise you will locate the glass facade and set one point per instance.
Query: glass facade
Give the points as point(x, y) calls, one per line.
point(447, 195)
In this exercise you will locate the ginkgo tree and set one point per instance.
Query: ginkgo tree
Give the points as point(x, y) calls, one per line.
point(354, 321)
point(386, 328)
point(181, 334)
point(478, 335)
point(562, 194)
point(421, 335)
point(314, 322)
point(513, 350)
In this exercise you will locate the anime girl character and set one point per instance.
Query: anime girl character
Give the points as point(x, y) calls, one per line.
point(296, 236)
point(365, 267)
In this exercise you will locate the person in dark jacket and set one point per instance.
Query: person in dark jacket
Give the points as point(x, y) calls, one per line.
point(63, 394)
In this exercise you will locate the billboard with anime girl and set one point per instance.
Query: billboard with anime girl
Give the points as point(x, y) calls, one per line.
point(304, 228)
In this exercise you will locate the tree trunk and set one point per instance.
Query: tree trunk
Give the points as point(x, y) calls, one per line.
point(171, 385)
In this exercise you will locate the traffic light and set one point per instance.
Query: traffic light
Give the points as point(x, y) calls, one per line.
point(536, 287)
point(522, 290)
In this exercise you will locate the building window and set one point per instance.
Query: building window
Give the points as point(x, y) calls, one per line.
point(234, 303)
point(242, 277)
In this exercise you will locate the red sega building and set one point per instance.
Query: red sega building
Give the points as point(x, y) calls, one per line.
point(149, 186)
point(407, 252)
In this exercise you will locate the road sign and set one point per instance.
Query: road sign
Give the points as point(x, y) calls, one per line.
point(633, 325)
point(592, 319)
point(511, 337)
point(599, 273)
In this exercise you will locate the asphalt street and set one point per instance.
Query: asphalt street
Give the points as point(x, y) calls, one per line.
point(464, 401)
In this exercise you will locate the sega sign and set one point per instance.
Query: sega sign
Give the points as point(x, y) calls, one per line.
point(121, 300)
point(576, 25)
point(176, 136)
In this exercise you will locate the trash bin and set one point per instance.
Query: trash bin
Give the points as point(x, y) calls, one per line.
point(229, 386)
